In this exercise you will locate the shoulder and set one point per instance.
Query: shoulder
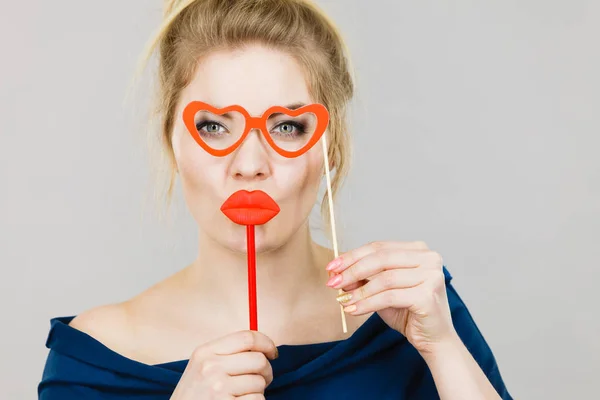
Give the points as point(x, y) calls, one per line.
point(76, 364)
point(128, 326)
point(109, 324)
point(105, 316)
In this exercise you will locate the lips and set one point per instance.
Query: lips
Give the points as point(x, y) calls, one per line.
point(250, 208)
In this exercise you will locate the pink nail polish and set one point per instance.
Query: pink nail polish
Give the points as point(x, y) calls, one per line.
point(334, 264)
point(334, 280)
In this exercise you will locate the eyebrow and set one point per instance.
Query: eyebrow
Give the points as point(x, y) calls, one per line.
point(293, 106)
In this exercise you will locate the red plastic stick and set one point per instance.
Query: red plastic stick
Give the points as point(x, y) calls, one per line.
point(252, 277)
point(250, 208)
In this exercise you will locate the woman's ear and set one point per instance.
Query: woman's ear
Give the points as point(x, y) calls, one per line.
point(331, 165)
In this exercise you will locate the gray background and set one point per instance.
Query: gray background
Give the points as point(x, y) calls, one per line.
point(475, 127)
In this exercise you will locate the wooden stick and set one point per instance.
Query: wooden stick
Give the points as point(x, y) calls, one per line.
point(332, 219)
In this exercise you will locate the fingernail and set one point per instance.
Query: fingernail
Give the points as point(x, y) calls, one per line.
point(334, 264)
point(276, 352)
point(350, 308)
point(342, 298)
point(334, 280)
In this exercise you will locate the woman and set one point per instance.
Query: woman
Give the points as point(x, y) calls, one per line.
point(408, 333)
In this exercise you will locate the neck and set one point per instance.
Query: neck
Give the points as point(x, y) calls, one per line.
point(284, 276)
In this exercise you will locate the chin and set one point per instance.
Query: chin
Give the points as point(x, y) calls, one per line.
point(266, 238)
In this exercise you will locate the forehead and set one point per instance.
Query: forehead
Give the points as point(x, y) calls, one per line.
point(255, 77)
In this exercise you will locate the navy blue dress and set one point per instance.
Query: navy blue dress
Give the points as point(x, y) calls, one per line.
point(376, 362)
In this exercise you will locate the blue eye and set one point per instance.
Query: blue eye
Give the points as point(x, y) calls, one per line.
point(287, 129)
point(213, 128)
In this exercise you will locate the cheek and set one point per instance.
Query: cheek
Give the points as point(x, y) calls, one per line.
point(303, 176)
point(314, 169)
point(197, 168)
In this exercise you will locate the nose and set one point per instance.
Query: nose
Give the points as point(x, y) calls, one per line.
point(250, 161)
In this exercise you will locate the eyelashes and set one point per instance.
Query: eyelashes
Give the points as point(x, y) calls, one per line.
point(300, 129)
point(202, 124)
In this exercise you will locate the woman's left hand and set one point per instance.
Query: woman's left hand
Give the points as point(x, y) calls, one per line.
point(404, 283)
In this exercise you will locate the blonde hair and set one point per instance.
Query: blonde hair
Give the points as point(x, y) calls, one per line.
point(193, 28)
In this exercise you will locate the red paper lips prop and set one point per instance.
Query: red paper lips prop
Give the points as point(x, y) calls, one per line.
point(250, 208)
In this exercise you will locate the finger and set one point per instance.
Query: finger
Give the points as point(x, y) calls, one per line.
point(351, 286)
point(344, 260)
point(246, 384)
point(377, 262)
point(355, 285)
point(249, 362)
point(247, 340)
point(386, 280)
point(396, 298)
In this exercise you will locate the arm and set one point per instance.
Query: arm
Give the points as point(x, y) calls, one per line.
point(56, 383)
point(464, 367)
point(407, 284)
point(78, 365)
point(456, 373)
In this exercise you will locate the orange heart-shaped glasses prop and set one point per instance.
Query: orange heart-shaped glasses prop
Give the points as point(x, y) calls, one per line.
point(260, 123)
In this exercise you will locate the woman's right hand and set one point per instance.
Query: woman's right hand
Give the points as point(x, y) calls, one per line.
point(235, 366)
